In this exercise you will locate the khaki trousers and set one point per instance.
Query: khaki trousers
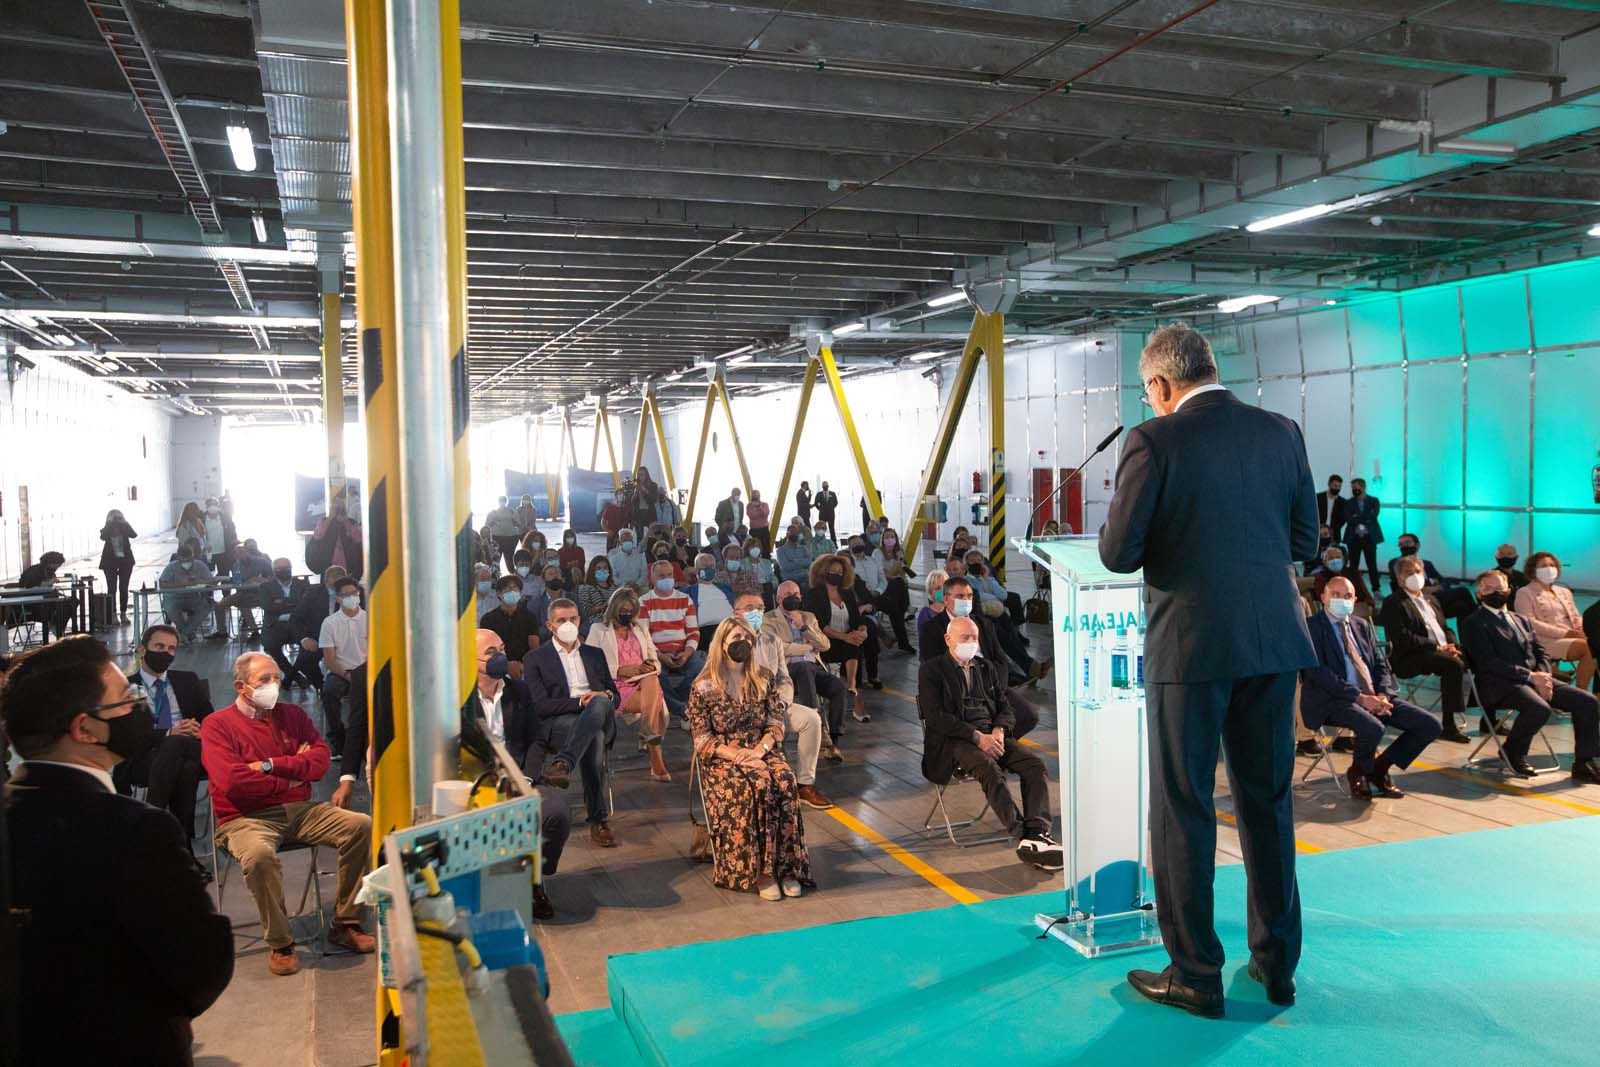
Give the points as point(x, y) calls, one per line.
point(254, 840)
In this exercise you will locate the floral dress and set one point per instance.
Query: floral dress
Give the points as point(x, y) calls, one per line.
point(753, 813)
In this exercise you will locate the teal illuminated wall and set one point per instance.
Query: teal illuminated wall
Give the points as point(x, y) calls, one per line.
point(1472, 409)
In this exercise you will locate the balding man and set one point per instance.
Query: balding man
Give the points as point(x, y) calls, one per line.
point(967, 724)
point(1352, 686)
point(262, 758)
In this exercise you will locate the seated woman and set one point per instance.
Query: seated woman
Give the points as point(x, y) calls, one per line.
point(595, 592)
point(829, 598)
point(571, 558)
point(631, 657)
point(1550, 610)
point(752, 800)
point(760, 569)
point(934, 587)
point(896, 598)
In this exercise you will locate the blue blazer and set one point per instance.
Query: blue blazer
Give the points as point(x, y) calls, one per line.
point(1323, 687)
point(546, 679)
point(1362, 511)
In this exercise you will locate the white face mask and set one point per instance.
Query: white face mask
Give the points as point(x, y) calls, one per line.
point(1340, 608)
point(265, 697)
point(1547, 575)
point(1415, 582)
point(753, 552)
point(966, 650)
point(350, 602)
point(567, 633)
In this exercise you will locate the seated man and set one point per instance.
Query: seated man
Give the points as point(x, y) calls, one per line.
point(713, 601)
point(1351, 686)
point(803, 640)
point(1512, 672)
point(988, 586)
point(109, 908)
point(262, 757)
point(800, 719)
point(517, 626)
point(251, 570)
point(794, 554)
point(958, 604)
point(1456, 601)
point(675, 631)
point(1505, 561)
point(967, 725)
point(573, 694)
point(505, 710)
point(279, 596)
point(1421, 641)
point(1311, 566)
point(1333, 567)
point(343, 640)
point(318, 603)
point(185, 606)
point(41, 578)
point(170, 767)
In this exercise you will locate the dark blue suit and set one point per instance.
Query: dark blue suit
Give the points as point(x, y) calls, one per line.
point(1327, 695)
point(1503, 653)
point(1215, 501)
point(1362, 534)
point(585, 727)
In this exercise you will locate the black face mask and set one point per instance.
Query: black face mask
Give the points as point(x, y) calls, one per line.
point(833, 578)
point(552, 585)
point(859, 550)
point(1496, 599)
point(626, 617)
point(497, 665)
point(158, 662)
point(739, 651)
point(791, 603)
point(1505, 563)
point(131, 734)
point(1408, 550)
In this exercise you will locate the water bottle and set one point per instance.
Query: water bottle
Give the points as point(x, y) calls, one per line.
point(1120, 678)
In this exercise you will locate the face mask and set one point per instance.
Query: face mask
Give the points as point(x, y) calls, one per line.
point(734, 565)
point(1408, 550)
point(875, 538)
point(663, 585)
point(567, 632)
point(791, 603)
point(889, 542)
point(1547, 575)
point(1335, 565)
point(628, 547)
point(523, 572)
point(265, 697)
point(1496, 599)
point(821, 533)
point(966, 650)
point(962, 608)
point(753, 617)
point(753, 552)
point(538, 544)
point(975, 569)
point(706, 574)
point(553, 585)
point(1505, 563)
point(602, 575)
point(158, 662)
point(833, 578)
point(511, 596)
point(1340, 607)
point(739, 651)
point(1415, 582)
point(188, 564)
point(938, 595)
point(485, 588)
point(497, 665)
point(350, 602)
point(130, 735)
point(571, 540)
point(859, 550)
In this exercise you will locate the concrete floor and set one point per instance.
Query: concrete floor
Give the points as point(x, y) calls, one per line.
point(646, 894)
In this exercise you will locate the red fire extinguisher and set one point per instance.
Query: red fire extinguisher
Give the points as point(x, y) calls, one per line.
point(977, 481)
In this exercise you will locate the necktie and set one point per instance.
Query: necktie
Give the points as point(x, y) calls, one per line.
point(163, 706)
point(1363, 676)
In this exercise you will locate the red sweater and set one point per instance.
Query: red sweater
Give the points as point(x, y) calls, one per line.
point(230, 740)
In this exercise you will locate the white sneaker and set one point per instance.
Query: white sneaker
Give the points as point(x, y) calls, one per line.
point(770, 892)
point(1042, 852)
point(791, 888)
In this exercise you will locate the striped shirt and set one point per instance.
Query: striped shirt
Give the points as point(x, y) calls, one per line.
point(672, 620)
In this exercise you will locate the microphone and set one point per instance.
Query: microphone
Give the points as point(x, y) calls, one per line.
point(1099, 448)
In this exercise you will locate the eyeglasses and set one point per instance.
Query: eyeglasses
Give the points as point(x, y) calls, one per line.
point(137, 695)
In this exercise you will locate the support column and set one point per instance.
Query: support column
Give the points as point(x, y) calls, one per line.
point(700, 452)
point(720, 383)
point(823, 344)
point(993, 300)
point(661, 442)
point(806, 386)
point(331, 270)
point(602, 425)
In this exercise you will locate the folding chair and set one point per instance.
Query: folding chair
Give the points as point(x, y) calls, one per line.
point(222, 861)
point(1494, 736)
point(958, 777)
point(1324, 736)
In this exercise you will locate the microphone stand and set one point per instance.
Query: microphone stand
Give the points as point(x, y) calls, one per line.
point(1099, 448)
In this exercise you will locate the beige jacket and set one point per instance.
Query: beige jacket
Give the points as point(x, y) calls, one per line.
point(1550, 610)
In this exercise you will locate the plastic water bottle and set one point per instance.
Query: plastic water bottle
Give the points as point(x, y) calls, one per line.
point(1120, 675)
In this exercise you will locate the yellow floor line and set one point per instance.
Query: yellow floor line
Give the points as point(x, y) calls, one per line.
point(933, 876)
point(1490, 782)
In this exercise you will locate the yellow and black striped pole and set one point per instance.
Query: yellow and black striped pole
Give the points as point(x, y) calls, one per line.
point(995, 354)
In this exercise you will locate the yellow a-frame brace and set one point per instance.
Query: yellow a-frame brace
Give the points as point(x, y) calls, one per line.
point(716, 389)
point(820, 347)
point(650, 415)
point(602, 425)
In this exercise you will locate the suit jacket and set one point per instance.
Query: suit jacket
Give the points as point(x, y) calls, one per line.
point(947, 714)
point(546, 680)
point(1404, 626)
point(1363, 511)
point(314, 607)
point(815, 600)
point(1431, 578)
point(827, 501)
point(1502, 650)
point(802, 501)
point(1591, 626)
point(1331, 517)
point(108, 558)
point(1216, 502)
point(190, 696)
point(1325, 686)
point(121, 947)
point(275, 603)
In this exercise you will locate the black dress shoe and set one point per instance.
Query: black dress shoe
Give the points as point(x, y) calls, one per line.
point(1165, 988)
point(1521, 768)
point(1308, 747)
point(1279, 990)
point(1586, 770)
point(1382, 783)
point(542, 908)
point(1359, 789)
point(1453, 733)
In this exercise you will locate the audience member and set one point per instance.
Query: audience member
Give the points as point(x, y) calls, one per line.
point(802, 503)
point(1017, 652)
point(1456, 601)
point(262, 757)
point(967, 725)
point(191, 527)
point(730, 510)
point(1505, 560)
point(736, 718)
point(933, 588)
point(794, 555)
point(185, 586)
point(279, 597)
point(503, 527)
point(595, 592)
point(343, 641)
point(1314, 566)
point(1351, 686)
point(675, 630)
point(613, 517)
point(336, 542)
point(821, 543)
point(1591, 631)
point(170, 767)
point(867, 605)
point(483, 586)
point(759, 514)
point(1512, 672)
point(991, 590)
point(117, 943)
point(574, 705)
point(1362, 534)
point(572, 559)
point(1553, 615)
point(713, 601)
point(116, 560)
point(513, 622)
point(956, 598)
point(484, 550)
point(802, 642)
point(527, 515)
point(895, 598)
point(316, 605)
point(252, 568)
point(759, 568)
point(636, 671)
point(1330, 506)
point(534, 541)
point(827, 505)
point(40, 578)
point(772, 655)
point(1421, 642)
point(1333, 566)
point(829, 599)
point(221, 540)
point(734, 575)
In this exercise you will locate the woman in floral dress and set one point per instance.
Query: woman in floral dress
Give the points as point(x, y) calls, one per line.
point(752, 804)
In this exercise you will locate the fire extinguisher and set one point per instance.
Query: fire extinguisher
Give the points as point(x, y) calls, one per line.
point(977, 481)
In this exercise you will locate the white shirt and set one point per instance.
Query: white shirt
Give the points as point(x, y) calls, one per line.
point(103, 777)
point(492, 712)
point(347, 636)
point(1209, 388)
point(1425, 609)
point(712, 605)
point(572, 663)
point(214, 535)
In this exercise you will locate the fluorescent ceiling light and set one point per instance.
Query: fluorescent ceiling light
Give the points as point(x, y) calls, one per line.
point(243, 145)
point(258, 222)
point(1594, 231)
point(922, 357)
point(1289, 218)
point(1239, 303)
point(22, 318)
point(854, 327)
point(674, 376)
point(947, 299)
point(740, 360)
point(1467, 146)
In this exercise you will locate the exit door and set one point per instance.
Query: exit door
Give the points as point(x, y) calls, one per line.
point(1072, 502)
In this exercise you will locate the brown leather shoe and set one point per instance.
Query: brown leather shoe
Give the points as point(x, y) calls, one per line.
point(352, 937)
point(283, 961)
point(602, 836)
point(811, 797)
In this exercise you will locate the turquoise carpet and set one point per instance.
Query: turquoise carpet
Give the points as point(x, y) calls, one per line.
point(1472, 948)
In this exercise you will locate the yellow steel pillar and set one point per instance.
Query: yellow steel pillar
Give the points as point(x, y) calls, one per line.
point(720, 383)
point(794, 440)
point(332, 270)
point(639, 438)
point(700, 452)
point(996, 356)
point(602, 425)
point(830, 369)
point(661, 442)
point(549, 477)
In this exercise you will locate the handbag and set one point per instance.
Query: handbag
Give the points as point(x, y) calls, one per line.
point(1037, 610)
point(699, 833)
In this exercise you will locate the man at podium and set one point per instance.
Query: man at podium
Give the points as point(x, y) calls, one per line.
point(1214, 499)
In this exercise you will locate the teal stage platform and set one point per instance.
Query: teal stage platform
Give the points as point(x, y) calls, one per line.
point(1472, 948)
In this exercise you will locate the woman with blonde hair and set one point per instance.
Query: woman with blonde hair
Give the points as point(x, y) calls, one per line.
point(631, 657)
point(736, 718)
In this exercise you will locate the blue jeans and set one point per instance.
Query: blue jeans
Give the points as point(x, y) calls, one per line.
point(675, 682)
point(334, 690)
point(581, 737)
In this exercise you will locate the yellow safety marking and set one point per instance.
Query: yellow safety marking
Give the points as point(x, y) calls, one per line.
point(1504, 787)
point(931, 875)
point(452, 1031)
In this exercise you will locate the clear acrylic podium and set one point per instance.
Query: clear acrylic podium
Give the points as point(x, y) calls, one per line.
point(1098, 620)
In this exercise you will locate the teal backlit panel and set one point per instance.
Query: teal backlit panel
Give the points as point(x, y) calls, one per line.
point(1375, 332)
point(1573, 539)
point(1380, 446)
point(1437, 531)
point(1432, 323)
point(1485, 530)
point(1324, 341)
point(1566, 430)
point(1433, 434)
point(1497, 432)
point(1277, 345)
point(1327, 425)
point(1566, 304)
point(1283, 396)
point(1497, 314)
